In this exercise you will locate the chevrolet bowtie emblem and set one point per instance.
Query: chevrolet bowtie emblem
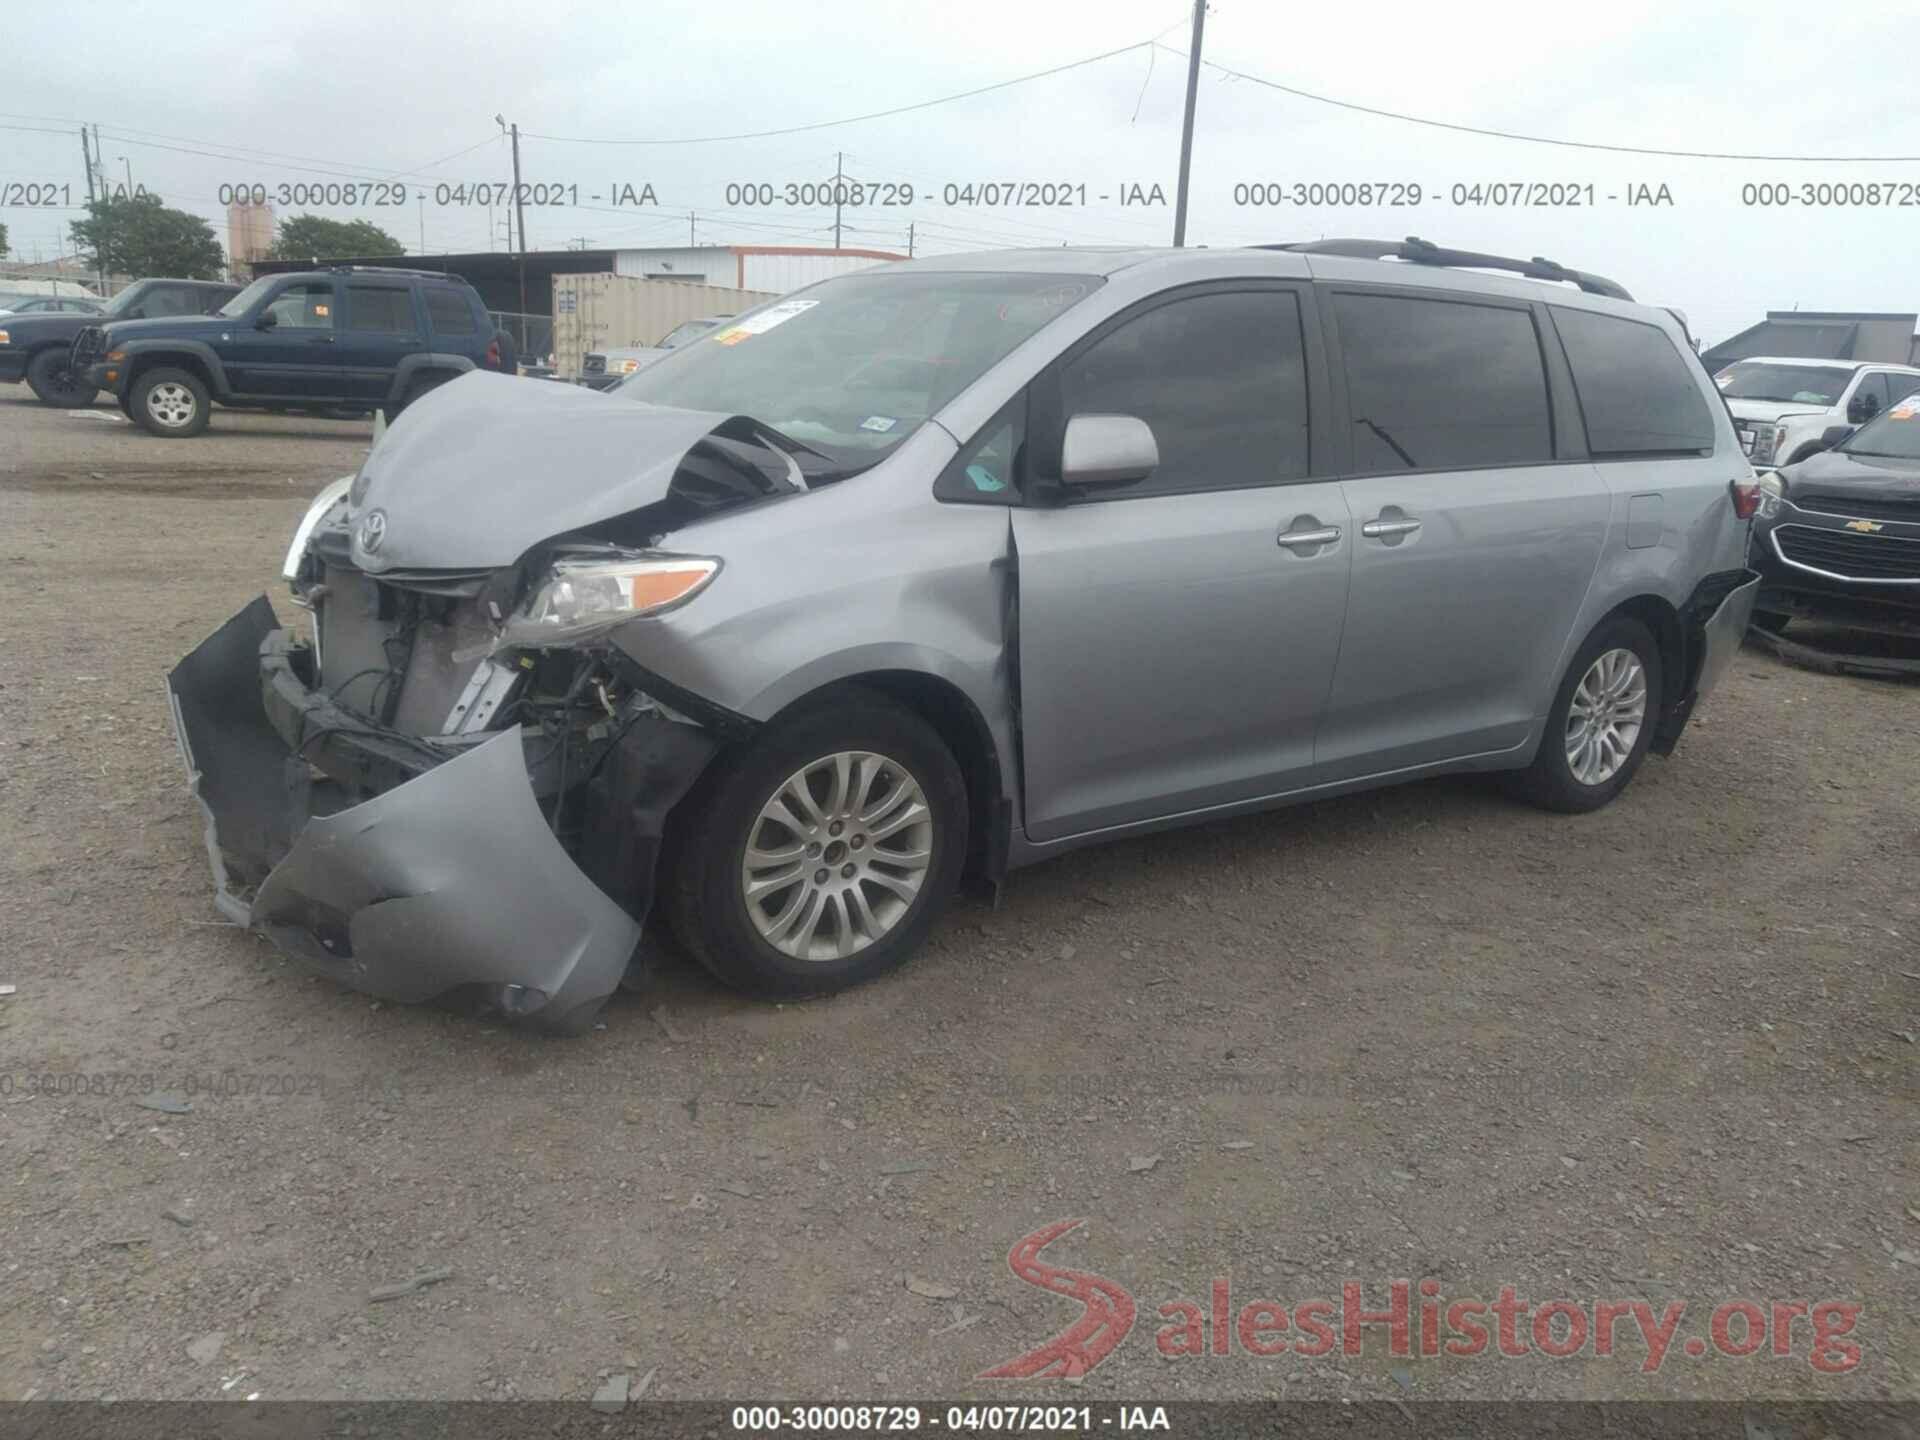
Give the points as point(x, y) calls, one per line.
point(1865, 527)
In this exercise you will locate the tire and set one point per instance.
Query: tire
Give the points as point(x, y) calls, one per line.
point(860, 928)
point(166, 391)
point(1550, 781)
point(418, 388)
point(1771, 621)
point(50, 378)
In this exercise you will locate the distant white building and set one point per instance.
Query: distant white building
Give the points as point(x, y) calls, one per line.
point(773, 268)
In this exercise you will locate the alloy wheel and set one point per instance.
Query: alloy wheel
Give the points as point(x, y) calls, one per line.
point(1604, 716)
point(838, 855)
point(171, 404)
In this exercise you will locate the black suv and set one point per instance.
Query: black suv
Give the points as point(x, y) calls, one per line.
point(346, 340)
point(35, 346)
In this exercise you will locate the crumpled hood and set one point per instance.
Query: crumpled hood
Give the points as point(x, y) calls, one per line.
point(1837, 472)
point(477, 472)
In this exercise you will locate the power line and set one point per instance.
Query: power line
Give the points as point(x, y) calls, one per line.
point(855, 119)
point(1544, 139)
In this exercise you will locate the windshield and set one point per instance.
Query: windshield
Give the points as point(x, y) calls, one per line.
point(244, 301)
point(857, 364)
point(125, 300)
point(685, 331)
point(1894, 434)
point(1790, 384)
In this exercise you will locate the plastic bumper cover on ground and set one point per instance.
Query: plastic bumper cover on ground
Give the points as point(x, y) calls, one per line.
point(451, 881)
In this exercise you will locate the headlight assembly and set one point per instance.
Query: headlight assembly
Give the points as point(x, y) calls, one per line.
point(581, 596)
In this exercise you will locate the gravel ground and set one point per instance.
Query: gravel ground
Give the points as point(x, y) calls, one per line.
point(1666, 1052)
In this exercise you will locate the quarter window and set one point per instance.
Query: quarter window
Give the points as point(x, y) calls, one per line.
point(1637, 395)
point(450, 313)
point(379, 307)
point(1220, 378)
point(1441, 385)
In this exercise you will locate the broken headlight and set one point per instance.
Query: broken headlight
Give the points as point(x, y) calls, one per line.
point(581, 596)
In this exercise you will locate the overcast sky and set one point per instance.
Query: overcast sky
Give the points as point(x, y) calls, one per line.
point(360, 89)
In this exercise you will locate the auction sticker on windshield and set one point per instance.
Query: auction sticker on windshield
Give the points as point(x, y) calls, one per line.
point(764, 321)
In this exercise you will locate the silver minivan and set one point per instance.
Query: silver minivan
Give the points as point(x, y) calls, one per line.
point(929, 572)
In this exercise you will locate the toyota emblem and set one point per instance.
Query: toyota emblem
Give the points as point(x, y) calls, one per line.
point(373, 530)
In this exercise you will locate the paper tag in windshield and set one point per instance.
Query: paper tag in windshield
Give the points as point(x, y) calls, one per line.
point(882, 423)
point(759, 324)
point(1904, 411)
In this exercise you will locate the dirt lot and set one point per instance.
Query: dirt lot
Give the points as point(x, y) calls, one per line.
point(1666, 1052)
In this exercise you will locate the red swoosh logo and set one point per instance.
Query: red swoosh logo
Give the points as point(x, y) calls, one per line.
point(1107, 1318)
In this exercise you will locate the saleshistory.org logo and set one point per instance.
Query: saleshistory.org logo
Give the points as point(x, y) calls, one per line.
point(1507, 1326)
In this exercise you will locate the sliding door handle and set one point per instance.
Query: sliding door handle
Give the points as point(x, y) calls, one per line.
point(1383, 529)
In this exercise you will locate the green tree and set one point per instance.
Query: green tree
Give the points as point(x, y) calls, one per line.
point(137, 235)
point(314, 237)
point(3, 240)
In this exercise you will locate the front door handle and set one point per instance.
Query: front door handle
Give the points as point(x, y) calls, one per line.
point(1305, 539)
point(321, 340)
point(1387, 529)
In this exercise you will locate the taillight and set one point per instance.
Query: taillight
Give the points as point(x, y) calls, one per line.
point(1746, 497)
point(493, 353)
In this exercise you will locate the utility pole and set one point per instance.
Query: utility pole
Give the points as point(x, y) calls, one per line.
point(423, 222)
point(839, 161)
point(1186, 127)
point(520, 209)
point(910, 239)
point(99, 260)
point(689, 229)
point(129, 164)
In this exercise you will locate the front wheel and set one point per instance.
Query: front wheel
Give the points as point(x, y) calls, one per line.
point(1601, 721)
point(169, 402)
point(51, 377)
point(820, 856)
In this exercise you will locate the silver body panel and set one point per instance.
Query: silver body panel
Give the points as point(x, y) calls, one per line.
point(1134, 662)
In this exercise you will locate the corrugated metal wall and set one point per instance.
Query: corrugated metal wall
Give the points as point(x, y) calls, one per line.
point(746, 267)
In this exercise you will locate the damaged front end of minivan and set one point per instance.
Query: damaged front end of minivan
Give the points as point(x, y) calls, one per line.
point(457, 785)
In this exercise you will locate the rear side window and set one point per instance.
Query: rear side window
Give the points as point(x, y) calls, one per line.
point(170, 300)
point(379, 307)
point(1636, 393)
point(450, 313)
point(1441, 385)
point(1220, 378)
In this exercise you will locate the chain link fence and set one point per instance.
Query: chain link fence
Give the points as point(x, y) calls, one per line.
point(532, 334)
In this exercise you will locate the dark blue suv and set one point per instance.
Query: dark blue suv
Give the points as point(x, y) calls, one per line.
point(340, 341)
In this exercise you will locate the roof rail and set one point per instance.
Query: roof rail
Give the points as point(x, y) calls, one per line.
point(392, 270)
point(1425, 252)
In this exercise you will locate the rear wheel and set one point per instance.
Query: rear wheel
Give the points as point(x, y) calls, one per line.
point(419, 387)
point(51, 377)
point(1601, 721)
point(170, 402)
point(821, 855)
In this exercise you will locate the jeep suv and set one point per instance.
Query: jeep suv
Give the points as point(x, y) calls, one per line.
point(37, 346)
point(350, 339)
point(1289, 523)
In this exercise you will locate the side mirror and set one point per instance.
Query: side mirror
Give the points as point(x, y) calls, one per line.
point(137, 312)
point(267, 321)
point(1107, 450)
point(1833, 435)
point(1861, 409)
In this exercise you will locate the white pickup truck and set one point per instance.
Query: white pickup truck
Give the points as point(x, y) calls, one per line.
point(1782, 405)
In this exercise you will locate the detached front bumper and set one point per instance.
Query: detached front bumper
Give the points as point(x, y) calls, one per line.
point(450, 881)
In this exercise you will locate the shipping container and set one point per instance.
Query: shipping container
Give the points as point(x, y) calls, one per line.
point(601, 312)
